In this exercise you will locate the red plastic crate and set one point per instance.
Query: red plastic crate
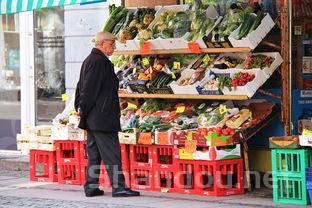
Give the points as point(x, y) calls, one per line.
point(69, 174)
point(141, 156)
point(164, 158)
point(67, 151)
point(103, 178)
point(219, 178)
point(185, 177)
point(164, 180)
point(83, 152)
point(142, 178)
point(48, 161)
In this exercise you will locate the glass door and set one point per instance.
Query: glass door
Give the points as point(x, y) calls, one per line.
point(49, 63)
point(10, 105)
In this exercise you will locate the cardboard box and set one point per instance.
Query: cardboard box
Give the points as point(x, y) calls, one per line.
point(284, 142)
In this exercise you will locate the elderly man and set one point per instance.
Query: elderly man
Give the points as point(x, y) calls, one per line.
point(98, 105)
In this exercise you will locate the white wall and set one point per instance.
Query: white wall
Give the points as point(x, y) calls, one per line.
point(81, 24)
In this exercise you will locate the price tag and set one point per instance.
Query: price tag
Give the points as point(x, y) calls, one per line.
point(146, 48)
point(145, 138)
point(176, 65)
point(173, 75)
point(64, 97)
point(145, 61)
point(206, 59)
point(180, 109)
point(132, 105)
point(163, 138)
point(190, 145)
point(134, 70)
point(222, 109)
point(194, 47)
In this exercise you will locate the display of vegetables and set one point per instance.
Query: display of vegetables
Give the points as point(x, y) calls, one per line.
point(258, 61)
point(226, 62)
point(241, 79)
point(230, 22)
point(250, 22)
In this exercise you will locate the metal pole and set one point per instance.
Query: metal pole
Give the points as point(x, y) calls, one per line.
point(290, 63)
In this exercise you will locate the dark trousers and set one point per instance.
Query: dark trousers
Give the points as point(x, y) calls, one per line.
point(103, 146)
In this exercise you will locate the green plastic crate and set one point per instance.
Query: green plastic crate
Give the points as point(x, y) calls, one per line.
point(291, 162)
point(290, 190)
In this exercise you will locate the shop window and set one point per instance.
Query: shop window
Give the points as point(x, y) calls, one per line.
point(49, 63)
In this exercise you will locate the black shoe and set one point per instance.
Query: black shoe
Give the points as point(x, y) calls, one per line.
point(94, 192)
point(125, 192)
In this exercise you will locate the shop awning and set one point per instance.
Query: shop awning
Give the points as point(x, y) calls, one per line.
point(14, 6)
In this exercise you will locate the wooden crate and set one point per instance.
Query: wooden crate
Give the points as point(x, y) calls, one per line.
point(149, 3)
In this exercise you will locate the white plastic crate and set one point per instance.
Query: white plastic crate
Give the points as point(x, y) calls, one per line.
point(268, 71)
point(251, 87)
point(186, 89)
point(305, 140)
point(128, 45)
point(255, 37)
point(128, 138)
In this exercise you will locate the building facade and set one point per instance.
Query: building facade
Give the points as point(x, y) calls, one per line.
point(41, 53)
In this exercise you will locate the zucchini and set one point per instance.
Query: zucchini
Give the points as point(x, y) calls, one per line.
point(257, 21)
point(119, 26)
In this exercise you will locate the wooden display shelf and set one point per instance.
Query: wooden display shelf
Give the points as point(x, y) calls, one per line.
point(186, 50)
point(184, 96)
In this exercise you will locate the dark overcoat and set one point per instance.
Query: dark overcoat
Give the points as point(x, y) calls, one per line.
point(97, 94)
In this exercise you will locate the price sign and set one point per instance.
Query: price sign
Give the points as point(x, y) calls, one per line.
point(176, 65)
point(190, 145)
point(132, 105)
point(222, 109)
point(206, 59)
point(146, 48)
point(194, 47)
point(180, 109)
point(145, 61)
point(64, 97)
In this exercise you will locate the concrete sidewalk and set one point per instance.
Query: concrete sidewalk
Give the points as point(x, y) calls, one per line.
point(17, 191)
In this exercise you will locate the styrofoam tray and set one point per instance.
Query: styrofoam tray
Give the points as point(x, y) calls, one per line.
point(255, 37)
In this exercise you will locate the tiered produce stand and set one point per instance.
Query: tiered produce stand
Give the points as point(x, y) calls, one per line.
point(158, 142)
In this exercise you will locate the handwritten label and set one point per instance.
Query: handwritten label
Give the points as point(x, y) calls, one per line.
point(132, 105)
point(194, 47)
point(222, 109)
point(64, 97)
point(145, 61)
point(180, 109)
point(146, 48)
point(206, 59)
point(176, 65)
